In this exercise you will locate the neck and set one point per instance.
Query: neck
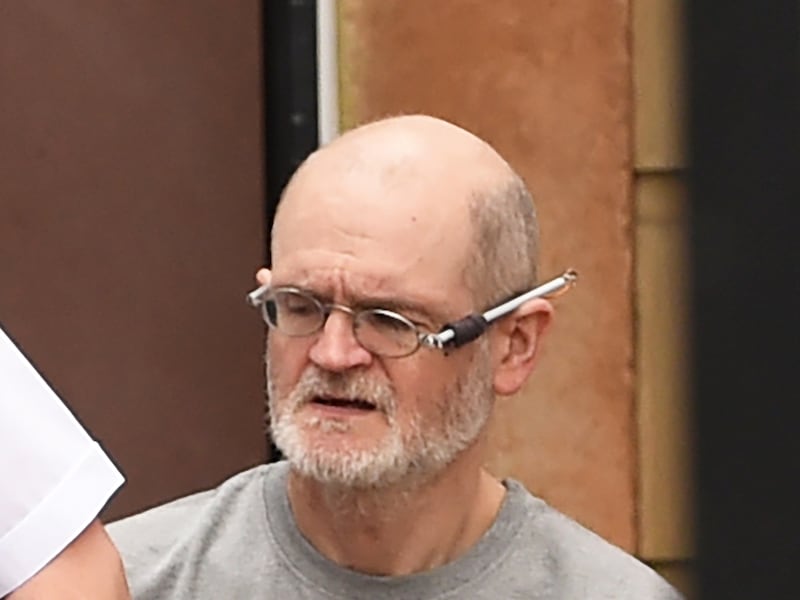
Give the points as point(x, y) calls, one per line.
point(401, 529)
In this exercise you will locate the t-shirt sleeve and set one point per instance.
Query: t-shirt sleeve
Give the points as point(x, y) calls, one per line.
point(54, 478)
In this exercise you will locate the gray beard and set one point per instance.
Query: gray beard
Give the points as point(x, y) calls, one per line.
point(406, 456)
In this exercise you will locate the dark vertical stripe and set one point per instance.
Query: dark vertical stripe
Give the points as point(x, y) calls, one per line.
point(743, 69)
point(290, 97)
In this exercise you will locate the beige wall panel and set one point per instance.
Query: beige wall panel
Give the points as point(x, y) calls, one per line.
point(680, 574)
point(548, 83)
point(659, 88)
point(665, 514)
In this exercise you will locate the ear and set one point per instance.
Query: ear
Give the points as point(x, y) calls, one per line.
point(263, 276)
point(516, 342)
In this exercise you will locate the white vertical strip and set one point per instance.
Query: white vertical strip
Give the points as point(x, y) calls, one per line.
point(327, 72)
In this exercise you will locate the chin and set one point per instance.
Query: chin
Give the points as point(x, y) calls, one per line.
point(332, 453)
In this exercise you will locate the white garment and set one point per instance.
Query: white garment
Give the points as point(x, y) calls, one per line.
point(54, 479)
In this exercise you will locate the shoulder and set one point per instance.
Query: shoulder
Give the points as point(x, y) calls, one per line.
point(577, 561)
point(167, 550)
point(163, 523)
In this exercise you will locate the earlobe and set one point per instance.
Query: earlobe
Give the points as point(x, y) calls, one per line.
point(518, 343)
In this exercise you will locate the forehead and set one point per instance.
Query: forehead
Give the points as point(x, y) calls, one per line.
point(365, 233)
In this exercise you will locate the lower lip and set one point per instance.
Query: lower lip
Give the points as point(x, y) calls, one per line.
point(341, 411)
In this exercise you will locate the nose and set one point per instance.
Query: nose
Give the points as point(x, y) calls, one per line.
point(336, 348)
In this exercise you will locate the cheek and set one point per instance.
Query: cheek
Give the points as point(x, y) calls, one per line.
point(286, 360)
point(419, 387)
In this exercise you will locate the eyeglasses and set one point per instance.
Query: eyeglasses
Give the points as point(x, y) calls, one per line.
point(297, 313)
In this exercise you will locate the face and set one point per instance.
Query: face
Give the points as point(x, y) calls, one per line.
point(339, 445)
point(338, 413)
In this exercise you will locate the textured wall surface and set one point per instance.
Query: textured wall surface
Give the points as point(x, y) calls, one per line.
point(130, 226)
point(549, 85)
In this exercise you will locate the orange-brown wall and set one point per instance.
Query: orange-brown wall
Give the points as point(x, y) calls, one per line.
point(549, 85)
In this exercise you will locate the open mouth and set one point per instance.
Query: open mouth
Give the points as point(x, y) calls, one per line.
point(349, 403)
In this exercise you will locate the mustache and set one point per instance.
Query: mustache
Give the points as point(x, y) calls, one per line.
point(315, 383)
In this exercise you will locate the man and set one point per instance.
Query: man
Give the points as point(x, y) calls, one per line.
point(54, 480)
point(392, 231)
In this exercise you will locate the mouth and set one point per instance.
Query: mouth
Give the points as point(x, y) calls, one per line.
point(343, 404)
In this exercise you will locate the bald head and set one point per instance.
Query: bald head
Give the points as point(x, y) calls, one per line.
point(411, 145)
point(420, 185)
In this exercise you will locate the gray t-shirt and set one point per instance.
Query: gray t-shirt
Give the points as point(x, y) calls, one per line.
point(240, 540)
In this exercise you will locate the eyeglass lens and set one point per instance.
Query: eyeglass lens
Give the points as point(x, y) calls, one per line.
point(382, 332)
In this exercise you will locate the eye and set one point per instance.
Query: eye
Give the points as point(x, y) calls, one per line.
point(293, 312)
point(386, 333)
point(386, 321)
point(296, 304)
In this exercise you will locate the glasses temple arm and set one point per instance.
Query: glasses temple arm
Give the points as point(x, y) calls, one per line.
point(472, 326)
point(255, 297)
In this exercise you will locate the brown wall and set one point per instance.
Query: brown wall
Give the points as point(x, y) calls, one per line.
point(549, 85)
point(130, 225)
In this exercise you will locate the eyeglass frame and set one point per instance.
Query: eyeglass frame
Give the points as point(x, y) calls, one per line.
point(420, 336)
point(450, 336)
